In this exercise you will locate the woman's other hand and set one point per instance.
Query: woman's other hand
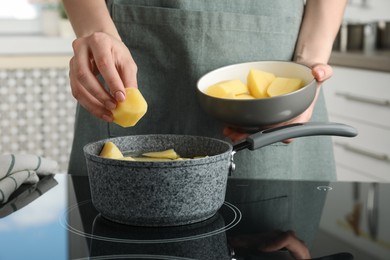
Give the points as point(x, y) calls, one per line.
point(101, 53)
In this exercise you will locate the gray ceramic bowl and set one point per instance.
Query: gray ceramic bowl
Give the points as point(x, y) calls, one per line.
point(250, 114)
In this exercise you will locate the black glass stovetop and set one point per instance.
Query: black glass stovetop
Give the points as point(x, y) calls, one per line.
point(260, 219)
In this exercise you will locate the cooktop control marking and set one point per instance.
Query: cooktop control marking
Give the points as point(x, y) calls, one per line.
point(161, 257)
point(324, 188)
point(234, 217)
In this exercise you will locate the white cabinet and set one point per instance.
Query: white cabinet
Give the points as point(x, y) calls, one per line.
point(356, 217)
point(37, 109)
point(361, 98)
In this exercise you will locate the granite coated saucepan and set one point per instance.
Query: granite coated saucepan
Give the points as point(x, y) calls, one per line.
point(177, 192)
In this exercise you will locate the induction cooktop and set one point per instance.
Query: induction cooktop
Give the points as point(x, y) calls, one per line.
point(260, 219)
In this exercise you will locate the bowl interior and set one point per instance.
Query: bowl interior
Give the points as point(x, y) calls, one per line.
point(252, 114)
point(240, 71)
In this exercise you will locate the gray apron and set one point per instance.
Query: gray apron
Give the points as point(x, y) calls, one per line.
point(175, 42)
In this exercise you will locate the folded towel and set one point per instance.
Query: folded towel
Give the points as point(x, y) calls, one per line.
point(18, 169)
point(25, 195)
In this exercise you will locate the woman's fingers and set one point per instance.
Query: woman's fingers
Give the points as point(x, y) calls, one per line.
point(233, 134)
point(90, 103)
point(83, 73)
point(82, 76)
point(102, 47)
point(127, 70)
point(322, 72)
point(101, 54)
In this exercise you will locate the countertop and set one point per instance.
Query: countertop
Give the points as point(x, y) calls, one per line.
point(25, 45)
point(36, 45)
point(373, 60)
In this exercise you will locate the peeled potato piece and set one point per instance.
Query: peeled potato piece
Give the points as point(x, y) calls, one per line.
point(110, 150)
point(227, 89)
point(130, 111)
point(199, 157)
point(258, 82)
point(244, 96)
point(282, 86)
point(151, 159)
point(127, 158)
point(167, 154)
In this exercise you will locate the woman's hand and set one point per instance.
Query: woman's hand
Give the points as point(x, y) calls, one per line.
point(101, 53)
point(321, 72)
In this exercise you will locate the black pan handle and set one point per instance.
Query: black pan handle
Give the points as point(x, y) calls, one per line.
point(278, 134)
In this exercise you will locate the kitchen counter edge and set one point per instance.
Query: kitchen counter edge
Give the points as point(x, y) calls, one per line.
point(375, 60)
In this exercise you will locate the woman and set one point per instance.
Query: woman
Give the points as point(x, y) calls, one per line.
point(164, 46)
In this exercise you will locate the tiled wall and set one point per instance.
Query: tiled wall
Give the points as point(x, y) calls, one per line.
point(36, 113)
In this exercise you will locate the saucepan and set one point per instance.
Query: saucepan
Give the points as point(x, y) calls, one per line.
point(177, 192)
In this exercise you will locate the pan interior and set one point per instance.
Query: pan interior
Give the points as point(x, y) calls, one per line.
point(186, 146)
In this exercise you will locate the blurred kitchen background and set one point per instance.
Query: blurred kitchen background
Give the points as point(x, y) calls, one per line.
point(37, 108)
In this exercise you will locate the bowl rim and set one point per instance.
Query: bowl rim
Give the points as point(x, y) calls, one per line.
point(255, 62)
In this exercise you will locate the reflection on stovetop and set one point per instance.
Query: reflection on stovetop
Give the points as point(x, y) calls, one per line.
point(108, 231)
point(259, 220)
point(109, 238)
